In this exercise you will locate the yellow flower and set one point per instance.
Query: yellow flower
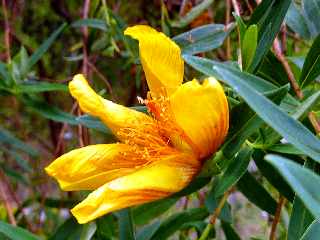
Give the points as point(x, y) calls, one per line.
point(158, 154)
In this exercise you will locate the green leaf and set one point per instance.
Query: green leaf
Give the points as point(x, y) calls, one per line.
point(202, 39)
point(192, 14)
point(233, 173)
point(292, 130)
point(304, 182)
point(272, 70)
point(70, 230)
point(313, 231)
point(93, 123)
point(300, 219)
point(311, 66)
point(195, 185)
point(88, 231)
point(173, 223)
point(5, 79)
point(16, 233)
point(106, 227)
point(43, 48)
point(212, 203)
point(241, 26)
point(148, 231)
point(251, 123)
point(269, 26)
point(285, 148)
point(249, 45)
point(35, 87)
point(146, 212)
point(256, 193)
point(272, 176)
point(297, 22)
point(23, 163)
point(90, 22)
point(229, 232)
point(50, 112)
point(8, 138)
point(126, 228)
point(311, 9)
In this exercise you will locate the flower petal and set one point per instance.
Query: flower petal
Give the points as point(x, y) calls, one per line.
point(115, 116)
point(160, 58)
point(151, 182)
point(201, 111)
point(90, 167)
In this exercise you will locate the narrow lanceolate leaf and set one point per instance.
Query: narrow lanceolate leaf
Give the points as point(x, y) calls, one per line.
point(229, 231)
point(36, 87)
point(233, 173)
point(70, 229)
point(126, 228)
point(50, 112)
point(304, 181)
point(311, 9)
point(297, 22)
point(93, 123)
point(202, 39)
point(90, 22)
point(192, 14)
point(88, 231)
point(272, 176)
point(146, 212)
point(16, 233)
point(300, 219)
point(8, 138)
point(269, 25)
point(256, 193)
point(148, 231)
point(43, 48)
point(311, 66)
point(173, 223)
point(313, 231)
point(249, 45)
point(254, 122)
point(292, 130)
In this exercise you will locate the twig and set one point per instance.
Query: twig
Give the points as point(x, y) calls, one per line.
point(237, 10)
point(215, 215)
point(183, 7)
point(314, 121)
point(235, 6)
point(249, 6)
point(276, 219)
point(6, 31)
point(227, 21)
point(103, 78)
point(61, 134)
point(85, 38)
point(285, 64)
point(278, 52)
point(5, 199)
point(83, 133)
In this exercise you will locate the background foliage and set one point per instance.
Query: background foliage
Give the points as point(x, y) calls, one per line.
point(264, 181)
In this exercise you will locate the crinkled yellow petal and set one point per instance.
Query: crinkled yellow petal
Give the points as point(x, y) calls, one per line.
point(90, 167)
point(160, 58)
point(154, 181)
point(115, 116)
point(201, 111)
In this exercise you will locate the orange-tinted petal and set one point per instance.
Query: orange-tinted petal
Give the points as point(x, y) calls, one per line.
point(90, 167)
point(160, 58)
point(201, 111)
point(154, 181)
point(117, 117)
